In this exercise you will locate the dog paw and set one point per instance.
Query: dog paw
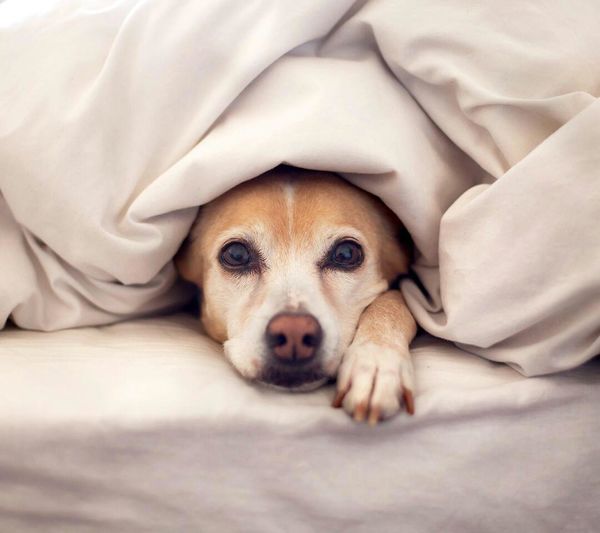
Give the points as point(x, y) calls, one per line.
point(374, 381)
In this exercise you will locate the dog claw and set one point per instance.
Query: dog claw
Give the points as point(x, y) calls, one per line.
point(375, 382)
point(409, 401)
point(339, 399)
point(374, 416)
point(360, 413)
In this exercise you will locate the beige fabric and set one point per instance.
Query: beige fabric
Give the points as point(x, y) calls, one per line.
point(143, 426)
point(479, 124)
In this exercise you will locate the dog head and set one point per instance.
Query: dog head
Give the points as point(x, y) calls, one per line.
point(287, 262)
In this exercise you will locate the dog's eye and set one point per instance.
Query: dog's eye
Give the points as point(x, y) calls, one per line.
point(346, 255)
point(236, 255)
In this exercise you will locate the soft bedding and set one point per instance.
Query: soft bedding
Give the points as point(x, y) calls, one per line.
point(143, 426)
point(477, 123)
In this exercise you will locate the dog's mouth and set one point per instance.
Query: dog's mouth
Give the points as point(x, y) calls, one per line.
point(293, 379)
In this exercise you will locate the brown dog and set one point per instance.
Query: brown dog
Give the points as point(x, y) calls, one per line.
point(295, 268)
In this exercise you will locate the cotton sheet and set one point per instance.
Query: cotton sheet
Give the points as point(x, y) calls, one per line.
point(477, 123)
point(143, 426)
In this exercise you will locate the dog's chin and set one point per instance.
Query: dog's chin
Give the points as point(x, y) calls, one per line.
point(292, 380)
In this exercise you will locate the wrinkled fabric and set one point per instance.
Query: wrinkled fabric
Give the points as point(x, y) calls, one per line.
point(478, 124)
point(143, 426)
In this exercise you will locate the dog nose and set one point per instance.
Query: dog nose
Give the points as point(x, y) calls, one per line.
point(294, 338)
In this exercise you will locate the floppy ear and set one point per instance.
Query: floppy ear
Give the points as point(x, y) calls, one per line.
point(396, 253)
point(188, 259)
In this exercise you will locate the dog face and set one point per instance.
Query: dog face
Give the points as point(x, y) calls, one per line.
point(287, 262)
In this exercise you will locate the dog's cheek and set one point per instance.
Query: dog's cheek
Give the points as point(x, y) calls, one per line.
point(216, 305)
point(213, 322)
point(228, 304)
point(349, 294)
point(245, 347)
point(352, 295)
point(341, 314)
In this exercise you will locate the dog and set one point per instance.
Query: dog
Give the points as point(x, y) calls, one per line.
point(294, 269)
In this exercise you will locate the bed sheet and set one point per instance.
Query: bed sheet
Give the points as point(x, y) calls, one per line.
point(143, 426)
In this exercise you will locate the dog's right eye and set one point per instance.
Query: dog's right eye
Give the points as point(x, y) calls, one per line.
point(236, 255)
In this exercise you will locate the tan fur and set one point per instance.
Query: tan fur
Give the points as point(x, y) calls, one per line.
point(387, 321)
point(261, 198)
point(320, 201)
point(320, 196)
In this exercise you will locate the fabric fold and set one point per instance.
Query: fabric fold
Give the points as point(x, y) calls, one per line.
point(477, 125)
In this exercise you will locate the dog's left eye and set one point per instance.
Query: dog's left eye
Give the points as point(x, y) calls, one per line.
point(235, 255)
point(345, 255)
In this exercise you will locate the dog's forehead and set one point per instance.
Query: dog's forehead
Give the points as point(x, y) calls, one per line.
point(292, 206)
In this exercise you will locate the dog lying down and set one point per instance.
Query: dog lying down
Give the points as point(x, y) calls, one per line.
point(295, 269)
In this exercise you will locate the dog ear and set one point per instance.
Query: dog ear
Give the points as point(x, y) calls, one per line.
point(396, 254)
point(188, 260)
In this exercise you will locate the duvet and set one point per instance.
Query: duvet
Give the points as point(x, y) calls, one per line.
point(477, 123)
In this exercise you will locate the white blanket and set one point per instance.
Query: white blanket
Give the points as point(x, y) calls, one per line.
point(142, 426)
point(477, 123)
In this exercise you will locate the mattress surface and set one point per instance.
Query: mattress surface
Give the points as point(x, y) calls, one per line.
point(143, 426)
